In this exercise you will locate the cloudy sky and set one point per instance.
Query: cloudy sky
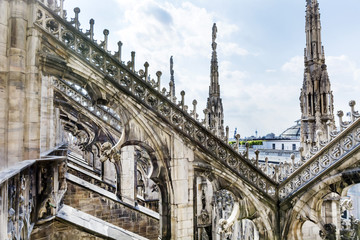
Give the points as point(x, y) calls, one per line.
point(260, 51)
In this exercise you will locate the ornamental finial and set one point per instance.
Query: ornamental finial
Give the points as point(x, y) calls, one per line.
point(172, 79)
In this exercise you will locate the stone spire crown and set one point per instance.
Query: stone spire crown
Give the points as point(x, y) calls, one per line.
point(316, 99)
point(214, 89)
point(214, 108)
point(314, 51)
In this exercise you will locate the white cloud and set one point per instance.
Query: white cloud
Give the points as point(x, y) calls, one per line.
point(344, 66)
point(249, 102)
point(344, 76)
point(231, 48)
point(295, 65)
point(270, 70)
point(159, 29)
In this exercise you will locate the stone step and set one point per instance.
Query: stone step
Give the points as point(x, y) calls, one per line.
point(79, 169)
point(90, 177)
point(76, 156)
point(105, 205)
point(82, 165)
point(95, 225)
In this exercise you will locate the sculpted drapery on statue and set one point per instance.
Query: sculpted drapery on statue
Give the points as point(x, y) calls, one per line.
point(214, 32)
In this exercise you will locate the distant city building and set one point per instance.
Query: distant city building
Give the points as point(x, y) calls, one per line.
point(276, 148)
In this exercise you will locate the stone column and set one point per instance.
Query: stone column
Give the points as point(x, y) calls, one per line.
point(128, 188)
point(109, 173)
point(33, 90)
point(3, 210)
point(47, 113)
point(58, 135)
point(331, 212)
point(3, 84)
point(19, 84)
point(16, 86)
point(182, 204)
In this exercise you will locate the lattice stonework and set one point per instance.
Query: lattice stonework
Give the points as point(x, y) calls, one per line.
point(103, 113)
point(336, 151)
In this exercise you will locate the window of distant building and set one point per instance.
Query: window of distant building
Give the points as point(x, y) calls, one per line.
point(273, 146)
point(294, 147)
point(282, 146)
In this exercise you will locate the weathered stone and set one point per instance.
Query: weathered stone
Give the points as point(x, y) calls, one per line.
point(132, 149)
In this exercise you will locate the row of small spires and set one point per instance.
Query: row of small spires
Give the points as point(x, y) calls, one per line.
point(144, 74)
point(53, 5)
point(193, 113)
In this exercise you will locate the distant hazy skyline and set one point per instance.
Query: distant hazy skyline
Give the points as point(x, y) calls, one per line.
point(260, 51)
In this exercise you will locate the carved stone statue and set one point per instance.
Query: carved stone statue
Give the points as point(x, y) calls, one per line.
point(329, 233)
point(171, 66)
point(109, 153)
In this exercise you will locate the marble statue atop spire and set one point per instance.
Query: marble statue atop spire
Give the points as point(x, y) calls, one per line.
point(214, 32)
point(172, 80)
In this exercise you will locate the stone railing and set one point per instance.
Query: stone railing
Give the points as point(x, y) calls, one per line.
point(30, 192)
point(276, 171)
point(326, 157)
point(50, 20)
point(103, 113)
point(343, 125)
point(280, 172)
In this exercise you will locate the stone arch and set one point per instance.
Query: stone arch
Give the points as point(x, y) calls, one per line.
point(310, 231)
point(307, 207)
point(242, 223)
point(246, 229)
point(205, 185)
point(89, 80)
point(160, 176)
point(251, 207)
point(97, 95)
point(353, 192)
point(141, 132)
point(256, 214)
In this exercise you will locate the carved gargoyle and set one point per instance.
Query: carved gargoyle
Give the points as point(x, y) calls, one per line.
point(225, 225)
point(108, 152)
point(47, 208)
point(329, 232)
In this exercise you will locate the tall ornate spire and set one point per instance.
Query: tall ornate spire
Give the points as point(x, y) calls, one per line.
point(172, 74)
point(214, 89)
point(314, 51)
point(214, 109)
point(316, 99)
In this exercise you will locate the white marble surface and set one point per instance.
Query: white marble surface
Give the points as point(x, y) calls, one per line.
point(95, 225)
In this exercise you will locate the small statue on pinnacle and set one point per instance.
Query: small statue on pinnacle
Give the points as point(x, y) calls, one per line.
point(214, 31)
